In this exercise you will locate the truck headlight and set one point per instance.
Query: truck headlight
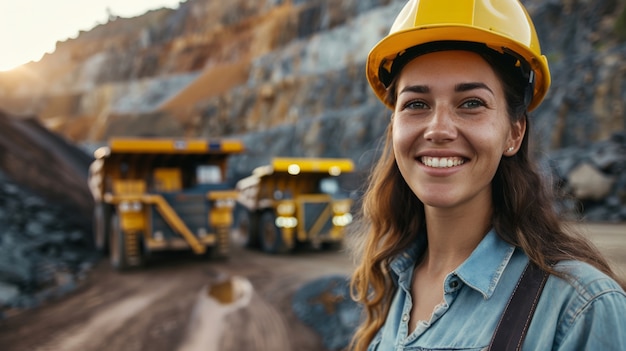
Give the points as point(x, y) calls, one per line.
point(130, 206)
point(224, 203)
point(342, 220)
point(286, 222)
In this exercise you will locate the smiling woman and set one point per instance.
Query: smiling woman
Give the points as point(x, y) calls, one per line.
point(31, 28)
point(455, 212)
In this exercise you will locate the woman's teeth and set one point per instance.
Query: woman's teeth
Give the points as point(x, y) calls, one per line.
point(442, 162)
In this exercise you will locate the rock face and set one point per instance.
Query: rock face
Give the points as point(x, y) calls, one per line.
point(240, 67)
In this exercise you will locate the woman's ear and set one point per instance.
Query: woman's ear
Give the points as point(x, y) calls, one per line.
point(516, 135)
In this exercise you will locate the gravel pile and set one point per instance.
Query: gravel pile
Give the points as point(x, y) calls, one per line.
point(44, 253)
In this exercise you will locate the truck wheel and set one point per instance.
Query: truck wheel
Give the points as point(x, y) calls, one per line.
point(332, 246)
point(101, 226)
point(221, 250)
point(117, 245)
point(246, 228)
point(271, 237)
point(124, 247)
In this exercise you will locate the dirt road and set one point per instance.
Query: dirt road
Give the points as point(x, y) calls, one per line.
point(611, 240)
point(165, 306)
point(157, 308)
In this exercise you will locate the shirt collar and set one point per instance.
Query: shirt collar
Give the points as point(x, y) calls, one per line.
point(481, 270)
point(403, 264)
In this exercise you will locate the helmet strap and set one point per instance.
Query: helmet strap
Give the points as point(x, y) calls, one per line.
point(530, 89)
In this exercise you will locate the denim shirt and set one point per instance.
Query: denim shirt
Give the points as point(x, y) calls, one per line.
point(586, 312)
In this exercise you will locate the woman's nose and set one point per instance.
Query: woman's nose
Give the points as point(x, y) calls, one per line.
point(441, 127)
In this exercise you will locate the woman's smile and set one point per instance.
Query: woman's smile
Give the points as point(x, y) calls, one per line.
point(441, 162)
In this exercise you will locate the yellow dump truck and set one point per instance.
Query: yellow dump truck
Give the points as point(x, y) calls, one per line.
point(293, 201)
point(157, 194)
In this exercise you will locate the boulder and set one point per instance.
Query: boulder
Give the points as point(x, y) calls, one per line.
point(588, 183)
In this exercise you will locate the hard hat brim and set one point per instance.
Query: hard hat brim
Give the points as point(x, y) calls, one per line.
point(390, 46)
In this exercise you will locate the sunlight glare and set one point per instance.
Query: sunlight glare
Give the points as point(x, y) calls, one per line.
point(31, 28)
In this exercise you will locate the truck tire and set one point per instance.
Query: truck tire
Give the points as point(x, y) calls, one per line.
point(332, 245)
point(221, 250)
point(246, 233)
point(272, 240)
point(101, 226)
point(119, 247)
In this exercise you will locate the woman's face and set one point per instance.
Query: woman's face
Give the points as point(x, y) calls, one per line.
point(451, 128)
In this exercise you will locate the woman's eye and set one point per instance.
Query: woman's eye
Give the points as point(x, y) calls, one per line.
point(415, 105)
point(473, 103)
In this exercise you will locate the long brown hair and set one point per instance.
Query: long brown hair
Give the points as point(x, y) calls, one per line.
point(523, 214)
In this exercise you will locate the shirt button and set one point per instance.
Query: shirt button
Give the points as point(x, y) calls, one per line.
point(454, 284)
point(405, 317)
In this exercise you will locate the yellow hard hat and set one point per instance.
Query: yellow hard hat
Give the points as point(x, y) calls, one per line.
point(502, 25)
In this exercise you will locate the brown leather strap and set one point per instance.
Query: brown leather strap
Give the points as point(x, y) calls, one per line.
point(513, 325)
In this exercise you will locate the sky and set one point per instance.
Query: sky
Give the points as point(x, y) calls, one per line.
point(31, 28)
